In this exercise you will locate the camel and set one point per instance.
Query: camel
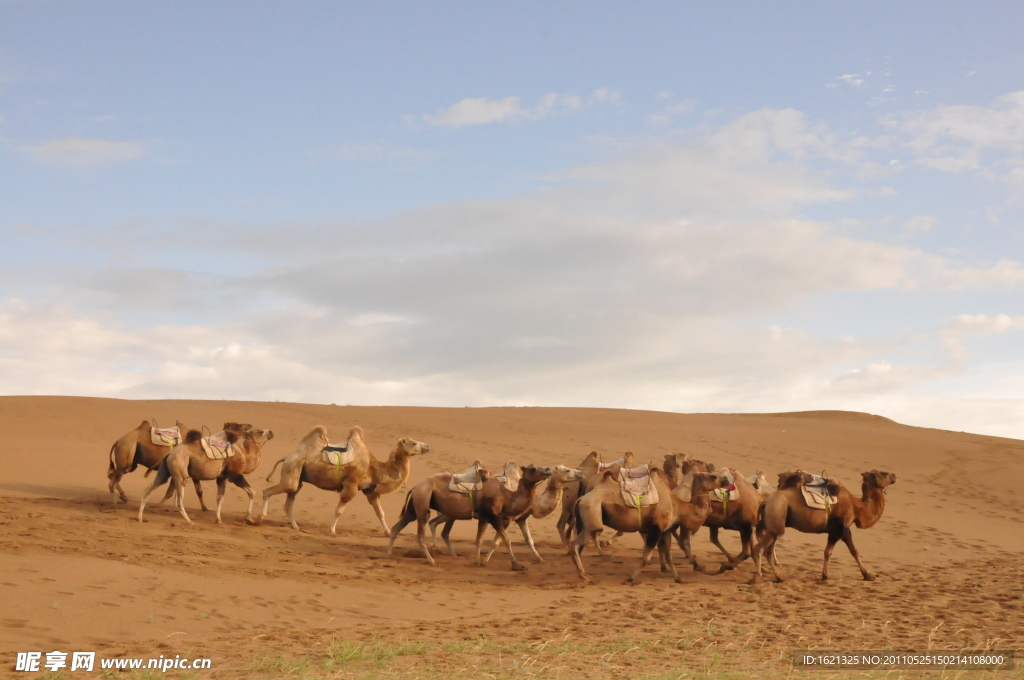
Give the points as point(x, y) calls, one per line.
point(510, 477)
point(134, 449)
point(590, 467)
point(604, 505)
point(189, 460)
point(737, 515)
point(491, 504)
point(786, 507)
point(363, 473)
point(544, 503)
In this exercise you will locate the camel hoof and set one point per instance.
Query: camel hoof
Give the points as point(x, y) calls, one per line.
point(824, 577)
point(869, 577)
point(517, 567)
point(251, 522)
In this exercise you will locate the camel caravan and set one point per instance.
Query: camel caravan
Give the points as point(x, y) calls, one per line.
point(666, 502)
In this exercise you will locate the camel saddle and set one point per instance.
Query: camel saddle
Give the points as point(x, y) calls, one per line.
point(638, 489)
point(601, 467)
point(339, 454)
point(469, 482)
point(815, 491)
point(217, 446)
point(728, 492)
point(170, 436)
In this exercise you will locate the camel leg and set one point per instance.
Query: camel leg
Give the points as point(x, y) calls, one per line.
point(649, 546)
point(270, 492)
point(162, 477)
point(289, 508)
point(222, 485)
point(115, 487)
point(408, 515)
point(848, 540)
point(243, 484)
point(481, 526)
point(499, 528)
point(348, 492)
point(199, 492)
point(608, 543)
point(683, 539)
point(446, 533)
point(179, 499)
point(439, 519)
point(718, 544)
point(766, 546)
point(421, 536)
point(665, 552)
point(835, 532)
point(374, 500)
point(524, 526)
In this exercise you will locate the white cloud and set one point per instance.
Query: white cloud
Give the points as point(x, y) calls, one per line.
point(650, 281)
point(853, 79)
point(482, 111)
point(82, 152)
point(962, 138)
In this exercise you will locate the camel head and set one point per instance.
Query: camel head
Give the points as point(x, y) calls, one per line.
point(535, 473)
point(411, 447)
point(708, 481)
point(241, 430)
point(565, 475)
point(878, 479)
point(674, 466)
point(695, 465)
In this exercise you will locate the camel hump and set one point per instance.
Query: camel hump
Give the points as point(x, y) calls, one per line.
point(356, 431)
point(193, 436)
point(484, 474)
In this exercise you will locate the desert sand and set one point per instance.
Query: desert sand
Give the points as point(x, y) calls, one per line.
point(78, 573)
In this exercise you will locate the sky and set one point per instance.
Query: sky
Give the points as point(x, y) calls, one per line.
point(676, 206)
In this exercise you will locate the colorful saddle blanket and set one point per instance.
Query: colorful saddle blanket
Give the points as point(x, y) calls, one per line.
point(170, 436)
point(339, 454)
point(217, 446)
point(729, 492)
point(638, 489)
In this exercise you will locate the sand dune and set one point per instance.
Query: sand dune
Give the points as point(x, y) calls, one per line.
point(81, 573)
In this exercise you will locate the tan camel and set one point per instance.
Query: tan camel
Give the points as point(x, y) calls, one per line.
point(189, 460)
point(544, 503)
point(590, 467)
point(363, 473)
point(604, 505)
point(786, 507)
point(134, 449)
point(490, 504)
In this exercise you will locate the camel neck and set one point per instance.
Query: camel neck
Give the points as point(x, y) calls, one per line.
point(868, 509)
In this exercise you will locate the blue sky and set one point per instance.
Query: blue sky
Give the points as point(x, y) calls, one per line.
point(679, 206)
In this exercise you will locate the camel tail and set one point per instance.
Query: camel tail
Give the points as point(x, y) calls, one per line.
point(110, 470)
point(760, 518)
point(274, 468)
point(405, 505)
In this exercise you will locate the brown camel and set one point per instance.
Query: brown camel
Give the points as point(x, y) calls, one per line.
point(544, 503)
point(739, 515)
point(189, 460)
point(510, 478)
point(590, 467)
point(604, 505)
point(134, 449)
point(363, 473)
point(786, 507)
point(490, 504)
